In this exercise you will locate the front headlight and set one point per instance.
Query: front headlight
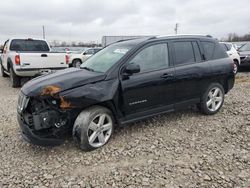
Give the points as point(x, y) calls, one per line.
point(22, 102)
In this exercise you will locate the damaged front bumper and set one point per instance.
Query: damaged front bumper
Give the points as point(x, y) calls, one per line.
point(42, 122)
point(30, 136)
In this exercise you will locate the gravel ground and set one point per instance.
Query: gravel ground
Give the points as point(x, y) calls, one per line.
point(183, 149)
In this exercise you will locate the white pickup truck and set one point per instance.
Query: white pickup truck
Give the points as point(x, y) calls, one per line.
point(29, 58)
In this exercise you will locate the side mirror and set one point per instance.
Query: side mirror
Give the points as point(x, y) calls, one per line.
point(132, 68)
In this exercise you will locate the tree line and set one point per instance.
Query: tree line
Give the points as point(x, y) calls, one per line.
point(233, 37)
point(91, 44)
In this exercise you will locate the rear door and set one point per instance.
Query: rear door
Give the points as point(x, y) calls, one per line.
point(151, 88)
point(190, 70)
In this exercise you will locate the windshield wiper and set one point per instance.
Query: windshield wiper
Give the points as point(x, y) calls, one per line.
point(87, 68)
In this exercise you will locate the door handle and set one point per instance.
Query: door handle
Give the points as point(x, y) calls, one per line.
point(44, 55)
point(167, 75)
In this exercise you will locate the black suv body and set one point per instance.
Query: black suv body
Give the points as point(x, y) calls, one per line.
point(127, 81)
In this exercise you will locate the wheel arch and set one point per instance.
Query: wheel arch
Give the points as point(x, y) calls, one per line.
point(76, 59)
point(9, 64)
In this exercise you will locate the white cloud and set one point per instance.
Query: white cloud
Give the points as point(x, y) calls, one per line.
point(89, 20)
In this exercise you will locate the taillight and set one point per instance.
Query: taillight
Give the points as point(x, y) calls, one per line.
point(67, 58)
point(17, 59)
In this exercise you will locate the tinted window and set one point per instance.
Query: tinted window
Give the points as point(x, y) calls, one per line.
point(219, 52)
point(224, 46)
point(29, 45)
point(229, 46)
point(208, 49)
point(183, 52)
point(197, 52)
point(152, 58)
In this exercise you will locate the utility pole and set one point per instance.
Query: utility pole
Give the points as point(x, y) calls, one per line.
point(176, 28)
point(43, 32)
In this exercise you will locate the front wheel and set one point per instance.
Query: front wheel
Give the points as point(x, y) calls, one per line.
point(15, 80)
point(93, 128)
point(213, 99)
point(2, 72)
point(76, 63)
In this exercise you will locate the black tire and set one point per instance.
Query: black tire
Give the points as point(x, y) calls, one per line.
point(236, 68)
point(76, 63)
point(204, 106)
point(82, 132)
point(15, 80)
point(2, 72)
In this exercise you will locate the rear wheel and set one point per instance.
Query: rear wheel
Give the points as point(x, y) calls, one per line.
point(93, 128)
point(236, 66)
point(2, 72)
point(15, 80)
point(76, 63)
point(212, 100)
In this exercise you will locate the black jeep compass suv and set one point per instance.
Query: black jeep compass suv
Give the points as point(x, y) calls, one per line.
point(126, 81)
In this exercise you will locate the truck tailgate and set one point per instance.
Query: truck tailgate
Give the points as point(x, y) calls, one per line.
point(42, 60)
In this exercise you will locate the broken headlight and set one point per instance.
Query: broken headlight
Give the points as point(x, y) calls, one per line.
point(22, 102)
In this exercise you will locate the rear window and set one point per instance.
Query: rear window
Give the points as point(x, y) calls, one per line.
point(29, 45)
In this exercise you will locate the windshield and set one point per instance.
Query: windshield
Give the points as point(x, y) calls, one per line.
point(245, 47)
point(106, 58)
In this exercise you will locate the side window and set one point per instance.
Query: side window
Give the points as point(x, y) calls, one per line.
point(224, 46)
point(209, 49)
point(229, 46)
point(197, 52)
point(184, 53)
point(219, 52)
point(152, 58)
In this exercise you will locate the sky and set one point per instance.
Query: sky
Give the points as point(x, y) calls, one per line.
point(89, 20)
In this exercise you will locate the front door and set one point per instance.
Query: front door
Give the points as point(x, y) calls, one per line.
point(151, 89)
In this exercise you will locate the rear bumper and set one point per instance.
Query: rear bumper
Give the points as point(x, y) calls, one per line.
point(29, 136)
point(34, 71)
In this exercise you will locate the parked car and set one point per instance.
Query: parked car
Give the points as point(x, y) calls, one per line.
point(28, 58)
point(125, 82)
point(244, 52)
point(232, 53)
point(76, 59)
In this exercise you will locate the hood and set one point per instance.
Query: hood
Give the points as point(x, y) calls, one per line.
point(64, 79)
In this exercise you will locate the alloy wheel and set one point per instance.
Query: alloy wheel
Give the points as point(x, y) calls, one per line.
point(100, 130)
point(214, 99)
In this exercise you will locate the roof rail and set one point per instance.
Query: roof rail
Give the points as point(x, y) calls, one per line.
point(202, 35)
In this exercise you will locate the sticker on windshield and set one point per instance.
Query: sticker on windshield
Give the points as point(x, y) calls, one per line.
point(121, 51)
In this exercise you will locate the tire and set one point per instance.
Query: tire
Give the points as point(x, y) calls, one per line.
point(236, 66)
point(212, 100)
point(15, 80)
point(2, 72)
point(76, 63)
point(93, 128)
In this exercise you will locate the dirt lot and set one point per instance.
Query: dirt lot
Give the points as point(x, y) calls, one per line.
point(183, 149)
